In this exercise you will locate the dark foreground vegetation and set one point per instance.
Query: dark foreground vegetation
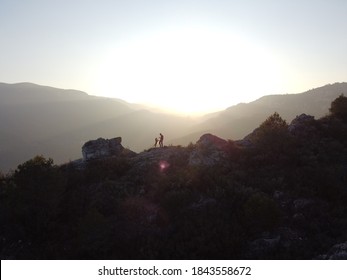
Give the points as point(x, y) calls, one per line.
point(280, 193)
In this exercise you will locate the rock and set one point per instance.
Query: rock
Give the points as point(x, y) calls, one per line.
point(156, 159)
point(209, 140)
point(263, 248)
point(337, 252)
point(203, 203)
point(301, 124)
point(302, 203)
point(209, 150)
point(299, 219)
point(101, 148)
point(157, 155)
point(79, 164)
point(247, 141)
point(290, 238)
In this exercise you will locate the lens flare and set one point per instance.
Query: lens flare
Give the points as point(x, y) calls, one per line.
point(163, 165)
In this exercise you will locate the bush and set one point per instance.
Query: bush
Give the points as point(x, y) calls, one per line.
point(339, 107)
point(261, 213)
point(34, 171)
point(34, 199)
point(176, 200)
point(111, 168)
point(272, 135)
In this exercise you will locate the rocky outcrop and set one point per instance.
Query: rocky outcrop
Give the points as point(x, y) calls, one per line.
point(263, 246)
point(209, 150)
point(157, 159)
point(301, 124)
point(337, 252)
point(101, 148)
point(247, 142)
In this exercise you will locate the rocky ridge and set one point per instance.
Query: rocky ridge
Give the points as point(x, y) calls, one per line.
point(211, 151)
point(278, 194)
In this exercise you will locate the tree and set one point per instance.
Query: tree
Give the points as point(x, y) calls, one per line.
point(34, 171)
point(339, 107)
point(272, 141)
point(35, 197)
point(274, 122)
point(271, 131)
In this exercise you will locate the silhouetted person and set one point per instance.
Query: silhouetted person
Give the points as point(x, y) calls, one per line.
point(156, 141)
point(161, 140)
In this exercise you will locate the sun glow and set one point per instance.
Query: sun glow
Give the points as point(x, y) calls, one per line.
point(188, 71)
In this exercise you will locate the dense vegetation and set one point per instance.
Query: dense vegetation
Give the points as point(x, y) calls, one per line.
point(282, 194)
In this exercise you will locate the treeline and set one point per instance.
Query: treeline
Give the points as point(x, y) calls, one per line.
point(280, 193)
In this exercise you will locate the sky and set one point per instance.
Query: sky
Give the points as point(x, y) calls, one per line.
point(186, 56)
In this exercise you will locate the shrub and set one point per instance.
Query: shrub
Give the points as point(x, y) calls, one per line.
point(35, 197)
point(271, 132)
point(34, 171)
point(339, 107)
point(261, 213)
point(111, 168)
point(176, 200)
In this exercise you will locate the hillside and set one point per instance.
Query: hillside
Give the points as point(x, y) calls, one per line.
point(279, 193)
point(237, 121)
point(55, 122)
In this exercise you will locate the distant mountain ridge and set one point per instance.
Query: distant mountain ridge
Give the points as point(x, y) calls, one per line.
point(56, 122)
point(237, 121)
point(11, 94)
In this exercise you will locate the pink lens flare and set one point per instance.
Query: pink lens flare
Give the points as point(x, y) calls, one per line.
point(163, 164)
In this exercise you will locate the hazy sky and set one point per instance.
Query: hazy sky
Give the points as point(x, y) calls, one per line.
point(185, 55)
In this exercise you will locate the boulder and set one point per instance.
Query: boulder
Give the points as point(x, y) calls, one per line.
point(337, 252)
point(210, 140)
point(302, 124)
point(101, 148)
point(302, 204)
point(209, 150)
point(247, 141)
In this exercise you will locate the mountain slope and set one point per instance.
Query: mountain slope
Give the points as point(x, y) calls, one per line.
point(55, 122)
point(237, 121)
point(280, 195)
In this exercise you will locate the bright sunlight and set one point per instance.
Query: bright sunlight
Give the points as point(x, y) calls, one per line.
point(186, 71)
